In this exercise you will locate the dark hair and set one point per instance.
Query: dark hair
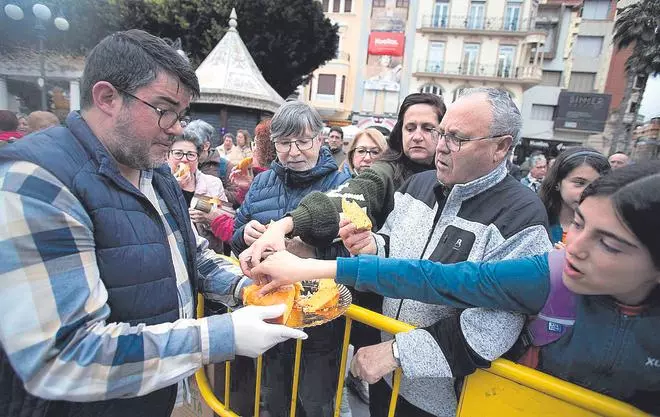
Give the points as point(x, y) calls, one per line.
point(633, 190)
point(566, 162)
point(133, 59)
point(8, 121)
point(338, 130)
point(395, 154)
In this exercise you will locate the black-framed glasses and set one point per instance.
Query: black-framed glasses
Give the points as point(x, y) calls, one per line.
point(166, 118)
point(303, 144)
point(374, 152)
point(178, 155)
point(454, 142)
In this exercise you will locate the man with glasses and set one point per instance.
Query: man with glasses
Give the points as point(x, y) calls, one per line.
point(101, 266)
point(303, 165)
point(468, 209)
point(336, 143)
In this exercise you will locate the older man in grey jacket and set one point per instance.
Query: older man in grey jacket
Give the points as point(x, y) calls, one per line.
point(468, 209)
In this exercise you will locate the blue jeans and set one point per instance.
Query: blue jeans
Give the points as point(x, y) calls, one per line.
point(319, 372)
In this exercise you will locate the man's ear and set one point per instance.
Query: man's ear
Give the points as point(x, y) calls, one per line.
point(106, 98)
point(503, 147)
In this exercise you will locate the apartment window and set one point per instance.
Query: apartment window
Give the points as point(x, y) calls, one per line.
point(640, 81)
point(542, 112)
point(402, 3)
point(348, 6)
point(440, 14)
point(588, 46)
point(476, 16)
point(326, 84)
point(470, 58)
point(505, 61)
point(431, 89)
point(512, 15)
point(436, 57)
point(326, 6)
point(379, 3)
point(335, 6)
point(551, 78)
point(582, 82)
point(596, 9)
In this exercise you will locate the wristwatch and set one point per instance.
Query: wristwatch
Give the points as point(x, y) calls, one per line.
point(395, 353)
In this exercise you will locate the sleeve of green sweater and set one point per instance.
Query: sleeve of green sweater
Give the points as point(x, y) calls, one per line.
point(316, 219)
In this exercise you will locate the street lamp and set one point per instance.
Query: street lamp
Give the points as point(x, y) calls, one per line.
point(43, 15)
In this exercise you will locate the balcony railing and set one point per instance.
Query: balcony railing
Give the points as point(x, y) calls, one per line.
point(473, 70)
point(500, 24)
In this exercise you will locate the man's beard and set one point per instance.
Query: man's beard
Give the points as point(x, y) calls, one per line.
point(129, 150)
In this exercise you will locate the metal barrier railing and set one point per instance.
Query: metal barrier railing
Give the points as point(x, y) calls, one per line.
point(505, 388)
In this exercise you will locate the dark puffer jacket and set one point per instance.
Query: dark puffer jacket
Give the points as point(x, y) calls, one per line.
point(279, 190)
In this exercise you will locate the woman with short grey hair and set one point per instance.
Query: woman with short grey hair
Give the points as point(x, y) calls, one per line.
point(295, 118)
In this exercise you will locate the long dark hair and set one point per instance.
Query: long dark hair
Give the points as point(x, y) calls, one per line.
point(566, 162)
point(404, 166)
point(633, 190)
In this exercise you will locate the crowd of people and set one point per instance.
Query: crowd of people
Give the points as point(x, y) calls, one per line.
point(112, 222)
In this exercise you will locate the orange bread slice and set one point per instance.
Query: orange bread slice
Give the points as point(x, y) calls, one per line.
point(325, 297)
point(284, 295)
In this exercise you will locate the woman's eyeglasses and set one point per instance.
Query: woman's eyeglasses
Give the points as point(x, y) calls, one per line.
point(303, 144)
point(178, 155)
point(364, 152)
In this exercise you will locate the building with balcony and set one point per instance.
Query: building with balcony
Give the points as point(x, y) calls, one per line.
point(576, 63)
point(331, 89)
point(471, 43)
point(646, 141)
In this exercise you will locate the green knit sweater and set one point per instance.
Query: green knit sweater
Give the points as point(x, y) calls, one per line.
point(316, 219)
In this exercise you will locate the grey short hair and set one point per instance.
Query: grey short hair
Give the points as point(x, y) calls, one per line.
point(534, 159)
point(192, 137)
point(202, 130)
point(506, 115)
point(293, 118)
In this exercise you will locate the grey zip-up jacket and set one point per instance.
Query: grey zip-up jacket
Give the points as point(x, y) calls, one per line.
point(491, 218)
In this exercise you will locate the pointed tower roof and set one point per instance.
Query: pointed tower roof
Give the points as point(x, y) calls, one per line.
point(229, 76)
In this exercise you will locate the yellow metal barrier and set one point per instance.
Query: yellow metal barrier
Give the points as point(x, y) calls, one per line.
point(504, 389)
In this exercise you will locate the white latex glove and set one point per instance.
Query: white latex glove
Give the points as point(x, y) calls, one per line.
point(253, 336)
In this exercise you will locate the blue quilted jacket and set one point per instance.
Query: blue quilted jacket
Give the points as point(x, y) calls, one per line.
point(277, 191)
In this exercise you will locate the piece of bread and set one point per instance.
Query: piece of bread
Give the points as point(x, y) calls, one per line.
point(181, 170)
point(356, 214)
point(283, 295)
point(325, 297)
point(244, 163)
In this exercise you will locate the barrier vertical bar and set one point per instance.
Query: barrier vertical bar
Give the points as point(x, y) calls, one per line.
point(227, 383)
point(296, 377)
point(257, 390)
point(396, 383)
point(342, 366)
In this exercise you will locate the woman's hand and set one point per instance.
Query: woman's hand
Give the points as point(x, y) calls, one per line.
point(253, 231)
point(240, 178)
point(198, 216)
point(272, 240)
point(358, 242)
point(186, 181)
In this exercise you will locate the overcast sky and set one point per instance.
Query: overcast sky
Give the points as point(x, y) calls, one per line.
point(651, 101)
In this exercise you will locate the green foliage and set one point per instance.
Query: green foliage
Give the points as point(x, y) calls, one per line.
point(287, 39)
point(639, 25)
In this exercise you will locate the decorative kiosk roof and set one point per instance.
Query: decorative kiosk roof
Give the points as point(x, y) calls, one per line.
point(229, 76)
